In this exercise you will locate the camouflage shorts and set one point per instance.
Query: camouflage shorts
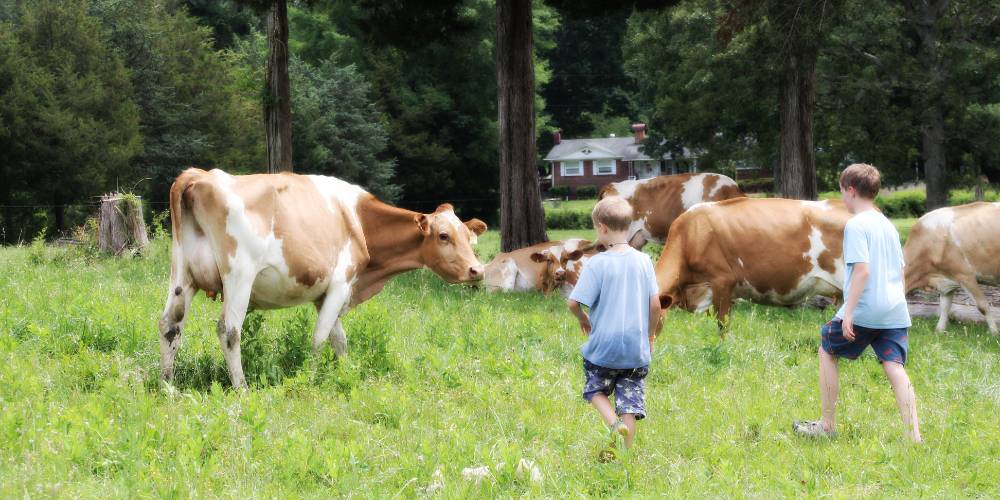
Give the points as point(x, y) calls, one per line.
point(626, 384)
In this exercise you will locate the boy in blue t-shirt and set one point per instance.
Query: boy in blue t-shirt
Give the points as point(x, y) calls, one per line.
point(619, 287)
point(874, 311)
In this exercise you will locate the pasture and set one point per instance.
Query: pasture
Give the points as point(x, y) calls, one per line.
point(440, 378)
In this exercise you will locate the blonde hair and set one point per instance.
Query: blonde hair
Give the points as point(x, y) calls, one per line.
point(614, 212)
point(864, 178)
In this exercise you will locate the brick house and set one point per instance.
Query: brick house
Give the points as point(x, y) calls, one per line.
point(595, 162)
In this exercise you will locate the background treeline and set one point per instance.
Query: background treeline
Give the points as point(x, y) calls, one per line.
point(97, 95)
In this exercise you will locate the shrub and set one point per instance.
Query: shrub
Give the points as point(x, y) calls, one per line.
point(586, 192)
point(559, 191)
point(566, 219)
point(909, 203)
point(760, 184)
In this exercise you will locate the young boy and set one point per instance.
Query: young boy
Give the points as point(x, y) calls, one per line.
point(874, 311)
point(619, 287)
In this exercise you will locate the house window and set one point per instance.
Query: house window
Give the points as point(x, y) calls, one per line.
point(604, 167)
point(572, 168)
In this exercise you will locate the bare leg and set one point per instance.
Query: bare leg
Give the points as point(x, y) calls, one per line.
point(829, 387)
point(906, 398)
point(629, 420)
point(603, 405)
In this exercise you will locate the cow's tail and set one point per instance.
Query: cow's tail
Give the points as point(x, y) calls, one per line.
point(180, 209)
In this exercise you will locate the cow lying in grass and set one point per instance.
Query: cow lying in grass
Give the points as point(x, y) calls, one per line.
point(543, 267)
point(771, 251)
point(956, 247)
point(274, 241)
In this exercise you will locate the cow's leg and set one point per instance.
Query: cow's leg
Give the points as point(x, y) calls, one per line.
point(179, 297)
point(328, 321)
point(722, 301)
point(982, 303)
point(944, 304)
point(234, 311)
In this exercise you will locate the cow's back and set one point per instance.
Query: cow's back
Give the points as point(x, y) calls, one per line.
point(771, 250)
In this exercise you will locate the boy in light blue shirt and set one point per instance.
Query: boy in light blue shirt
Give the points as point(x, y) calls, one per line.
point(874, 311)
point(619, 287)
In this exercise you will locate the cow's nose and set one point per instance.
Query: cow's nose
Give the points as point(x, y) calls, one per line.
point(476, 272)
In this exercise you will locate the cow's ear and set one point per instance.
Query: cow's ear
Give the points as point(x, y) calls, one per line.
point(575, 255)
point(476, 226)
point(423, 223)
point(445, 207)
point(665, 300)
point(600, 247)
point(538, 257)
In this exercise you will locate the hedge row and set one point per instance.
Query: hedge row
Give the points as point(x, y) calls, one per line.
point(912, 202)
point(582, 192)
point(567, 219)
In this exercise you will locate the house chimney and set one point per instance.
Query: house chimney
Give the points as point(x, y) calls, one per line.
point(639, 129)
point(556, 136)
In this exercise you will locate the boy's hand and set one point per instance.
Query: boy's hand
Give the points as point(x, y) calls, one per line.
point(847, 327)
point(585, 325)
point(652, 338)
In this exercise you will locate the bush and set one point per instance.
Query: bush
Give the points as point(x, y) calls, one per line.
point(910, 203)
point(559, 191)
point(758, 185)
point(565, 219)
point(586, 192)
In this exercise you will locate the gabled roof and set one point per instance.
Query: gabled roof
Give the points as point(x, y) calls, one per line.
point(623, 148)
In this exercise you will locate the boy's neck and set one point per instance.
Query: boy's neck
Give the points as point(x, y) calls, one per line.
point(864, 205)
point(616, 242)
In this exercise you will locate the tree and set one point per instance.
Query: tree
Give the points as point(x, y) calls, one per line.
point(789, 37)
point(522, 221)
point(76, 127)
point(276, 98)
point(193, 111)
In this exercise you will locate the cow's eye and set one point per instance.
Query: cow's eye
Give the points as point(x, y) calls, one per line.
point(443, 236)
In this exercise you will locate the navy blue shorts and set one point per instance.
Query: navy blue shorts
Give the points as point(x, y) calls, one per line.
point(627, 384)
point(890, 344)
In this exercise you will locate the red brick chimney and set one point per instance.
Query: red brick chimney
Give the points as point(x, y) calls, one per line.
point(556, 136)
point(639, 129)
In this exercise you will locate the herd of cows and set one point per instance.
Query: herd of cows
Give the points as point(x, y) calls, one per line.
point(274, 241)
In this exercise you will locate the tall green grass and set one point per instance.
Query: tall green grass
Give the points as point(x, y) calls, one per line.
point(442, 377)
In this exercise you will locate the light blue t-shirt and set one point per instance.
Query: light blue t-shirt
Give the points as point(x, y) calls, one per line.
point(870, 237)
point(617, 287)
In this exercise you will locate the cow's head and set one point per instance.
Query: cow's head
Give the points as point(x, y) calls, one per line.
point(447, 245)
point(575, 254)
point(550, 273)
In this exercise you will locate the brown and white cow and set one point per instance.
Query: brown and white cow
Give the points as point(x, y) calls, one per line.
point(955, 247)
point(772, 251)
point(656, 202)
point(543, 267)
point(274, 241)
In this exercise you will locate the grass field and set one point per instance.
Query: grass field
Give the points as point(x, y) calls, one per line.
point(440, 378)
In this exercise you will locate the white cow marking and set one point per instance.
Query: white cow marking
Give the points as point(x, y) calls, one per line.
point(820, 205)
point(626, 189)
point(693, 191)
point(722, 182)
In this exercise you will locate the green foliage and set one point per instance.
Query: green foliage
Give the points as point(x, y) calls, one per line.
point(67, 110)
point(586, 192)
point(559, 191)
point(443, 377)
point(757, 185)
point(567, 219)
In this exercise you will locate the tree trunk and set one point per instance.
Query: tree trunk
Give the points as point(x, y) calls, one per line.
point(932, 134)
point(925, 17)
point(797, 165)
point(522, 221)
point(277, 101)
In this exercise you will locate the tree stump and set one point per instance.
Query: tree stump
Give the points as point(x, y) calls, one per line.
point(121, 228)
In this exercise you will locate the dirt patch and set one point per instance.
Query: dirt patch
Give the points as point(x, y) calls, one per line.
point(925, 304)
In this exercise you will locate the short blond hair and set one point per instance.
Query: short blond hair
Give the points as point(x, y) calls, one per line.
point(864, 178)
point(614, 212)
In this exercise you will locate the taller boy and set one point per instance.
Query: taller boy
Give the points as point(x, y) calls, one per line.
point(874, 311)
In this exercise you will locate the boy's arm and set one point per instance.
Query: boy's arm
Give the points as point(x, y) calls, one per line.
point(859, 280)
point(581, 316)
point(655, 318)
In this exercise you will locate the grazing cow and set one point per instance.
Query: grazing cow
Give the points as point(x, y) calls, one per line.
point(956, 247)
point(771, 251)
point(658, 201)
point(274, 241)
point(543, 266)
